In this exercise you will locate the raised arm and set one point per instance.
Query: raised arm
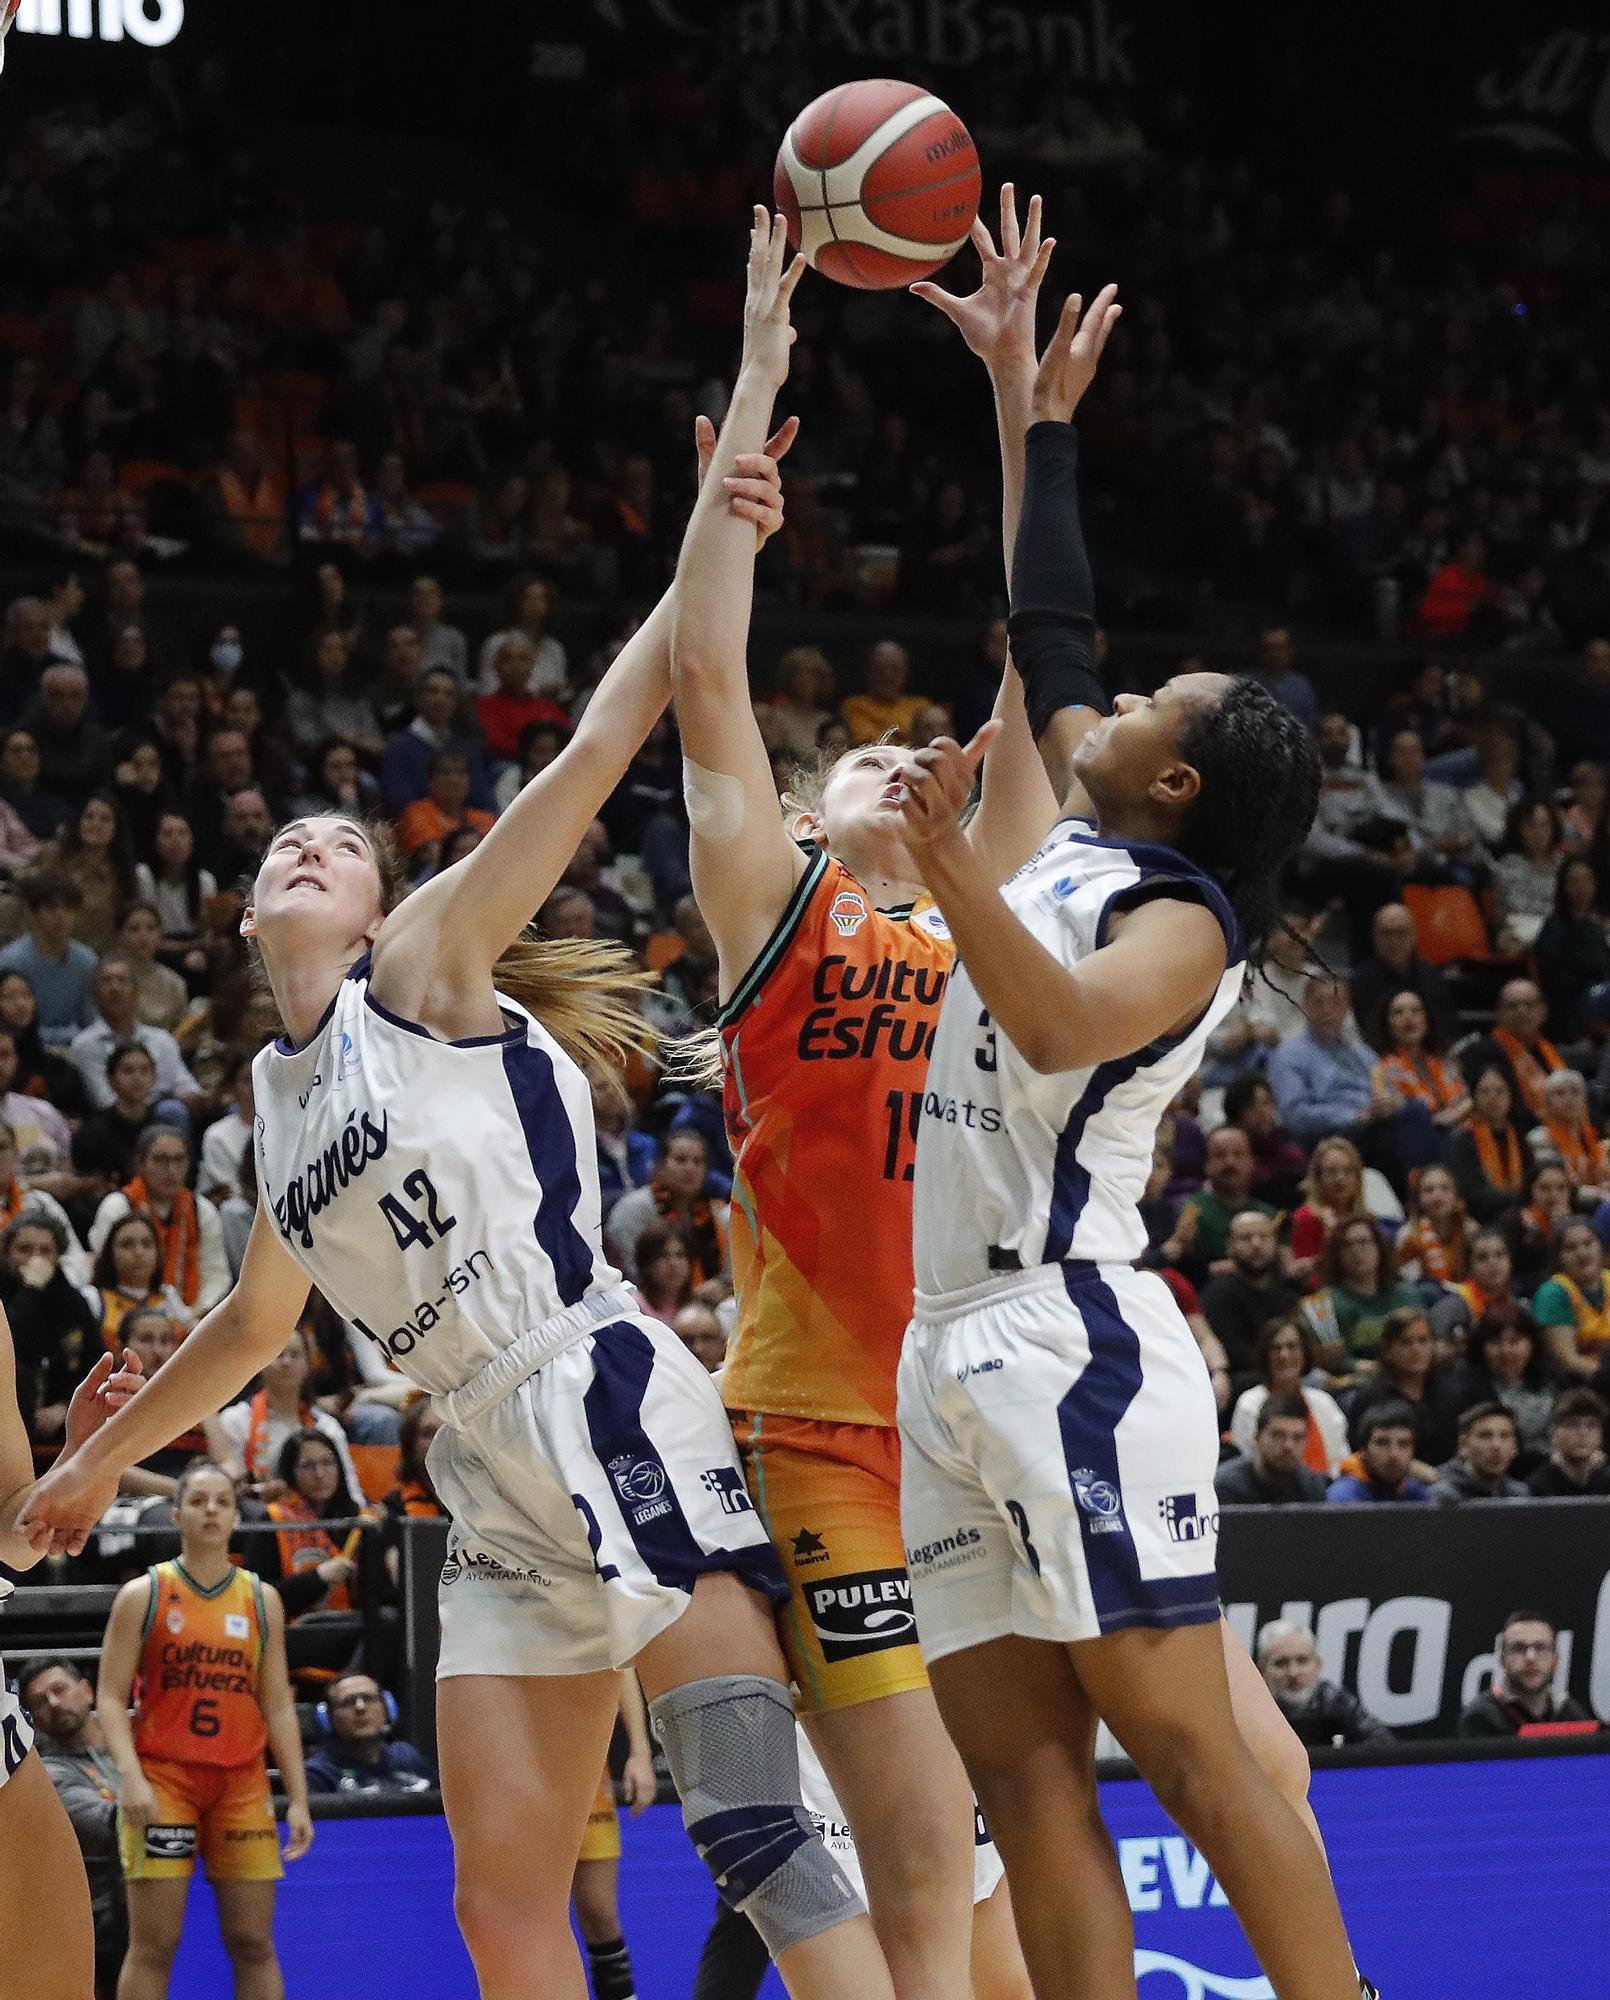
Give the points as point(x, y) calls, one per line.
point(744, 865)
point(1053, 621)
point(439, 946)
point(241, 1335)
point(107, 1387)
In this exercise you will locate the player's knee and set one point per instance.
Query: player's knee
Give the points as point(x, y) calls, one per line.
point(731, 1746)
point(248, 1944)
point(503, 1921)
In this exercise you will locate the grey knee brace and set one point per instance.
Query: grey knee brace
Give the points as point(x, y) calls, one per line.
point(730, 1744)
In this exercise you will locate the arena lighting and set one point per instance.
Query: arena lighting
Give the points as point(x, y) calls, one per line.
point(154, 23)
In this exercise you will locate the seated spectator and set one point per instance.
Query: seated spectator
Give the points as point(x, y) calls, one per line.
point(1319, 1712)
point(317, 1574)
point(1273, 1473)
point(54, 1328)
point(438, 724)
point(1489, 1286)
point(1357, 1292)
point(56, 966)
point(359, 1753)
point(1504, 1363)
point(1536, 1224)
point(540, 743)
point(32, 815)
point(1496, 789)
point(1488, 1444)
point(75, 752)
point(127, 1277)
point(161, 998)
point(801, 704)
point(414, 1497)
point(440, 644)
point(532, 609)
point(1323, 1079)
point(1333, 1193)
point(1276, 667)
point(1278, 1162)
point(1582, 824)
point(1571, 1309)
point(1433, 1246)
point(1446, 845)
point(1525, 875)
point(664, 1271)
point(1271, 1010)
point(177, 887)
point(93, 852)
point(33, 1120)
point(245, 503)
point(153, 1335)
point(612, 914)
point(1286, 1356)
point(511, 707)
point(187, 1224)
point(227, 1141)
point(1200, 1243)
point(331, 704)
point(17, 1198)
point(1575, 1467)
point(1381, 1474)
point(1430, 1093)
point(333, 510)
point(679, 1192)
point(1520, 1699)
point(1486, 1158)
point(247, 1438)
point(60, 1699)
point(883, 708)
point(1568, 1135)
point(116, 1024)
point(1572, 950)
point(43, 1073)
point(699, 1329)
point(106, 1142)
point(444, 810)
point(1250, 1294)
point(625, 1155)
point(1411, 1375)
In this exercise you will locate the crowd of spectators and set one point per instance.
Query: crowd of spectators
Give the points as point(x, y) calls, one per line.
point(1385, 1200)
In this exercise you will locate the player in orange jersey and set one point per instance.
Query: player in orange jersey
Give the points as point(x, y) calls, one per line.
point(47, 1939)
point(831, 974)
point(198, 1645)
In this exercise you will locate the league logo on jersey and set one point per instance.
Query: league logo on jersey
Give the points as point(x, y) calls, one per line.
point(175, 1619)
point(348, 1062)
point(847, 913)
point(1184, 1521)
point(1098, 1501)
point(236, 1626)
point(727, 1483)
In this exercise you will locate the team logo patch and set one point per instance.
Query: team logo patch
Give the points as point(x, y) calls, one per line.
point(1063, 887)
point(452, 1569)
point(726, 1482)
point(864, 1613)
point(1184, 1520)
point(640, 1482)
point(236, 1626)
point(808, 1548)
point(175, 1618)
point(171, 1843)
point(1099, 1502)
point(848, 912)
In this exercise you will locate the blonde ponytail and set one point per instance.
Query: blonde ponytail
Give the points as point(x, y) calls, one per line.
point(584, 991)
point(697, 1061)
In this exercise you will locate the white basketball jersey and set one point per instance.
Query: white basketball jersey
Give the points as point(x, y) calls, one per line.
point(443, 1196)
point(1015, 1169)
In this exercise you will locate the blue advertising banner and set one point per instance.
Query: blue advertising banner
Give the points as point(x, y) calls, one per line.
point(1477, 1880)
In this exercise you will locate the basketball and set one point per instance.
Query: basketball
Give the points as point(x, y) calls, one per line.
point(879, 183)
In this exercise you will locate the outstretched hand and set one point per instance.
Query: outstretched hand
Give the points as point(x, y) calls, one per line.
point(1068, 366)
point(937, 783)
point(754, 486)
point(772, 277)
point(997, 321)
point(103, 1391)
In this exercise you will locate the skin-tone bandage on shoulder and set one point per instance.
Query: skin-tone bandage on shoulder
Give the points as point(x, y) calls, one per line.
point(715, 802)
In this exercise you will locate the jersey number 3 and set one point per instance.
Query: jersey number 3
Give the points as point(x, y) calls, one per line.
point(406, 1225)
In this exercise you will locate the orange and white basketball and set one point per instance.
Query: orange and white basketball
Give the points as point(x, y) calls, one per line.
point(878, 182)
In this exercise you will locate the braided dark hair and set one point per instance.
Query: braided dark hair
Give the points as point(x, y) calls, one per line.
point(1260, 790)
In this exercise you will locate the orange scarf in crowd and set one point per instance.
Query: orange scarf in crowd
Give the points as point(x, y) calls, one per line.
point(1423, 1079)
point(1529, 1069)
point(305, 1543)
point(1501, 1163)
point(254, 1457)
point(1437, 1257)
point(180, 1237)
point(418, 1501)
point(12, 1198)
point(1480, 1303)
point(705, 1238)
point(1583, 1154)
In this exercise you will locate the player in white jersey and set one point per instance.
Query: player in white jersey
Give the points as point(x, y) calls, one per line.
point(1057, 1424)
point(47, 1939)
point(426, 1155)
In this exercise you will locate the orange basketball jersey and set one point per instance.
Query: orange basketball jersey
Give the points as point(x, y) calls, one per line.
point(827, 1042)
point(196, 1696)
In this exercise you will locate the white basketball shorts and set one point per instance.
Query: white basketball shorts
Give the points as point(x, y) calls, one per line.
point(587, 1500)
point(821, 1802)
point(1058, 1444)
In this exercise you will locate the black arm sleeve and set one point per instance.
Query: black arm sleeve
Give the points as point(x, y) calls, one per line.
point(1053, 616)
